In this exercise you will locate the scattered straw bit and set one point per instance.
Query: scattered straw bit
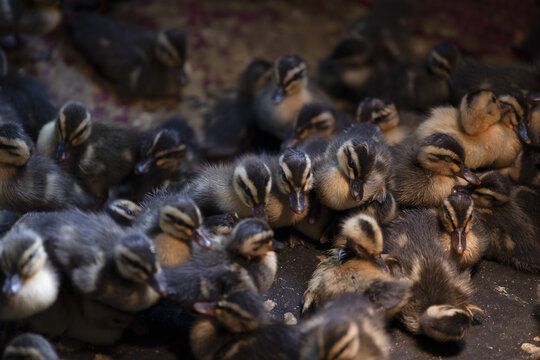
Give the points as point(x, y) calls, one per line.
point(536, 338)
point(290, 319)
point(269, 304)
point(531, 349)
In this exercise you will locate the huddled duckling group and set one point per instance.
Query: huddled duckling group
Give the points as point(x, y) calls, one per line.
point(425, 168)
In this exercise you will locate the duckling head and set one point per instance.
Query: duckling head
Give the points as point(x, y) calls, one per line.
point(181, 218)
point(515, 117)
point(251, 238)
point(363, 236)
point(442, 154)
point(379, 112)
point(313, 119)
point(442, 59)
point(290, 76)
point(73, 126)
point(15, 146)
point(240, 311)
point(351, 50)
point(295, 178)
point(163, 150)
point(30, 347)
point(479, 110)
point(23, 256)
point(136, 260)
point(455, 214)
point(252, 181)
point(123, 211)
point(171, 51)
point(494, 190)
point(356, 159)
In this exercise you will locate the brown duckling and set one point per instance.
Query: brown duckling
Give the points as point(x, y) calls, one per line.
point(425, 175)
point(349, 327)
point(354, 265)
point(396, 126)
point(515, 241)
point(462, 235)
point(174, 222)
point(355, 169)
point(244, 259)
point(238, 327)
point(30, 283)
point(100, 154)
point(481, 128)
point(241, 187)
point(315, 120)
point(32, 182)
point(438, 306)
point(292, 180)
point(277, 104)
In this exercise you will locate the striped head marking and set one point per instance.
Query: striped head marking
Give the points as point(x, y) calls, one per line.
point(494, 190)
point(171, 47)
point(180, 217)
point(162, 149)
point(363, 235)
point(251, 238)
point(74, 123)
point(290, 75)
point(442, 59)
point(314, 119)
point(455, 214)
point(378, 112)
point(15, 146)
point(252, 182)
point(295, 177)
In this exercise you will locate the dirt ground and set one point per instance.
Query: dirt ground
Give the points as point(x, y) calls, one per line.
point(224, 37)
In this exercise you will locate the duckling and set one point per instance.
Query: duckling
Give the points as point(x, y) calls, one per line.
point(463, 236)
point(230, 129)
point(241, 187)
point(315, 120)
point(100, 154)
point(419, 85)
point(32, 182)
point(479, 125)
point(102, 260)
point(174, 222)
point(138, 61)
point(30, 282)
point(292, 180)
point(438, 306)
point(395, 126)
point(29, 346)
point(512, 242)
point(165, 154)
point(237, 327)
point(353, 265)
point(29, 17)
point(24, 99)
point(472, 75)
point(425, 175)
point(277, 104)
point(349, 327)
point(245, 259)
point(355, 169)
point(122, 211)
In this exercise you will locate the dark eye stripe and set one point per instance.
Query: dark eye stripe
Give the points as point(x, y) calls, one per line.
point(80, 132)
point(136, 264)
point(247, 190)
point(296, 76)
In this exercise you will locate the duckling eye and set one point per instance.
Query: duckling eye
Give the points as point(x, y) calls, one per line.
point(447, 158)
point(284, 177)
point(129, 212)
point(493, 99)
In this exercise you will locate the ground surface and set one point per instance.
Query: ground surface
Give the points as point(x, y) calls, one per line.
point(224, 37)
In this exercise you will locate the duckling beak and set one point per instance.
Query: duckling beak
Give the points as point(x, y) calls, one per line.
point(278, 96)
point(297, 201)
point(205, 308)
point(63, 151)
point(459, 241)
point(505, 108)
point(521, 131)
point(201, 239)
point(276, 245)
point(468, 175)
point(380, 196)
point(259, 211)
point(142, 167)
point(12, 285)
point(356, 188)
point(380, 261)
point(157, 283)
